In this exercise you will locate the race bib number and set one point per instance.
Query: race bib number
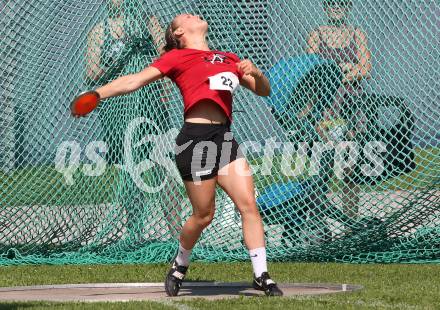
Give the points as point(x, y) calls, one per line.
point(224, 81)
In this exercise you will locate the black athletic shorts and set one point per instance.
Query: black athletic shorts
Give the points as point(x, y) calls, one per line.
point(203, 149)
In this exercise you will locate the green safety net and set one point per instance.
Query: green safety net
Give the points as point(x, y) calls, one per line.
point(343, 172)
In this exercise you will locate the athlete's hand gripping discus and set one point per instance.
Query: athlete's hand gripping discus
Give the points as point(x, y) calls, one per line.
point(85, 103)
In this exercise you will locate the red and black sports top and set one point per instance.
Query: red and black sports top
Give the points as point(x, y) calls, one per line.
point(202, 75)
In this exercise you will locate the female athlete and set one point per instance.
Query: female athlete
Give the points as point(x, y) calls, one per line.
point(206, 152)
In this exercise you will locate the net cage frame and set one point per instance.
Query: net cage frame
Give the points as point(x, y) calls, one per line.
point(80, 190)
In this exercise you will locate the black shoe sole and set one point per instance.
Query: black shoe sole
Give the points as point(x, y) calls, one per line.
point(267, 292)
point(172, 285)
point(257, 287)
point(274, 294)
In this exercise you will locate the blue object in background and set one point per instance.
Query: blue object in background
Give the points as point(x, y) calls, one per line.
point(278, 203)
point(279, 193)
point(294, 82)
point(294, 77)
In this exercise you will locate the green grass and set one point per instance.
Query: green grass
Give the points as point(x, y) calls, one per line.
point(385, 286)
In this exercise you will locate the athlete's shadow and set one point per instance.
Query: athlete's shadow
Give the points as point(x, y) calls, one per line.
point(195, 288)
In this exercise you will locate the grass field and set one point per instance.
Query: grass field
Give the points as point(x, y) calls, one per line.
point(385, 286)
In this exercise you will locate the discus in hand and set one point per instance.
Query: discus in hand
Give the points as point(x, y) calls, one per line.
point(85, 103)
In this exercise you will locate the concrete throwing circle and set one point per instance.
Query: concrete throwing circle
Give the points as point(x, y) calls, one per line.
point(155, 291)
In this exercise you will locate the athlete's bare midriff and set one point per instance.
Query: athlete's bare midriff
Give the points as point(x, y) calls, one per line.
point(206, 112)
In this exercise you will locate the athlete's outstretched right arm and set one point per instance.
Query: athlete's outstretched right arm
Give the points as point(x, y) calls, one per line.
point(129, 83)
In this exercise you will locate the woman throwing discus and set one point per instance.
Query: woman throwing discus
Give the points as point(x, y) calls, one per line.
point(206, 152)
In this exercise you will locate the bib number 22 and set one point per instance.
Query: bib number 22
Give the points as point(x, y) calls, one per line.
point(227, 82)
point(224, 81)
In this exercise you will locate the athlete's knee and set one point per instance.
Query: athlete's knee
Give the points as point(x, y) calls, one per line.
point(204, 219)
point(248, 207)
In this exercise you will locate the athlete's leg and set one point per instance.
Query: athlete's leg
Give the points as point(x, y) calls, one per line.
point(237, 182)
point(236, 179)
point(202, 197)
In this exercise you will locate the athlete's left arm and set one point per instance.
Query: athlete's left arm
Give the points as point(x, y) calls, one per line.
point(253, 78)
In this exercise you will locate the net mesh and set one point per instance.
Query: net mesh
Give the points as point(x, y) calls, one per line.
point(344, 171)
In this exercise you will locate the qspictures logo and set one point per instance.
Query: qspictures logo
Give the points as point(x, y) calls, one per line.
point(296, 158)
